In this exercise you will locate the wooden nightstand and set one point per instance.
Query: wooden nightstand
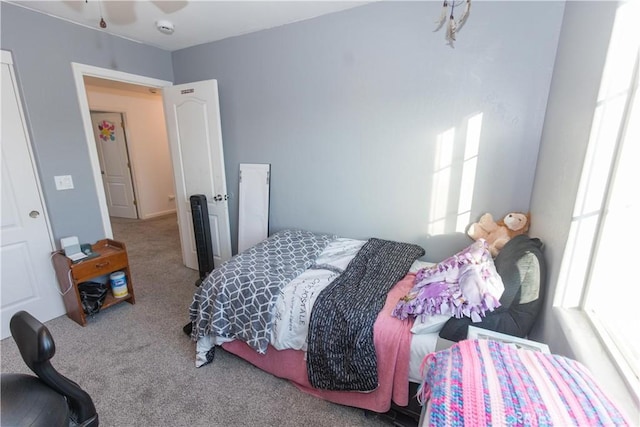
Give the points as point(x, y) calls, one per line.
point(112, 257)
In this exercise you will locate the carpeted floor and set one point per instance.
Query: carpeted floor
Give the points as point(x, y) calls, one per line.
point(138, 365)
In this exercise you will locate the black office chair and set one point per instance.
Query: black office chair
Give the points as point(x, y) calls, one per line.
point(49, 400)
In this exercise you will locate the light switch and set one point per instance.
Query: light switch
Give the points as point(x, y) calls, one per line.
point(63, 182)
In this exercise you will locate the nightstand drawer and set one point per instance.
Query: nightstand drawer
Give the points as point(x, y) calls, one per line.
point(99, 266)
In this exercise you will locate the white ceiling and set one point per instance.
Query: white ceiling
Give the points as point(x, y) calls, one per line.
point(195, 22)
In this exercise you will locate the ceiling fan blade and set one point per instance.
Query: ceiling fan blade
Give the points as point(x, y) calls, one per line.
point(118, 12)
point(75, 5)
point(170, 6)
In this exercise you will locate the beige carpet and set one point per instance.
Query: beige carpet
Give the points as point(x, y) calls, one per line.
point(138, 365)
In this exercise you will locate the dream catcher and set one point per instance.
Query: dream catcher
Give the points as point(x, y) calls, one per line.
point(453, 25)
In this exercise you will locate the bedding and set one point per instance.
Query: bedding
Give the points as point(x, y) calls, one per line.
point(392, 339)
point(424, 325)
point(463, 285)
point(294, 303)
point(421, 345)
point(484, 382)
point(341, 354)
point(522, 267)
point(236, 300)
point(429, 324)
point(291, 315)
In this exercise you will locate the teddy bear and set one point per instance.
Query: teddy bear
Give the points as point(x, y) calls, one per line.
point(497, 234)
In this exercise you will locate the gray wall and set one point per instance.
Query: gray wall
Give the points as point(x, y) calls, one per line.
point(43, 49)
point(347, 109)
point(581, 56)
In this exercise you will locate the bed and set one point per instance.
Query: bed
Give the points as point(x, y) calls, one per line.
point(286, 300)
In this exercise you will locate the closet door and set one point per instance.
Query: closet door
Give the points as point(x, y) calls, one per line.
point(113, 155)
point(253, 205)
point(27, 280)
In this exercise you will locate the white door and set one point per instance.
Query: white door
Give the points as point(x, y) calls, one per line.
point(195, 140)
point(108, 130)
point(27, 280)
point(253, 205)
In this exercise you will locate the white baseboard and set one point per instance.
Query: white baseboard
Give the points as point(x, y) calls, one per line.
point(158, 214)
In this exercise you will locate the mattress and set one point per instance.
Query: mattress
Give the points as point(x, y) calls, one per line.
point(421, 345)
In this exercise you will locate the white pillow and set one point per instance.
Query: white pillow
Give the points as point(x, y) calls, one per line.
point(429, 324)
point(419, 265)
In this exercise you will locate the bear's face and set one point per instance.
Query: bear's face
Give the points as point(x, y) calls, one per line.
point(517, 222)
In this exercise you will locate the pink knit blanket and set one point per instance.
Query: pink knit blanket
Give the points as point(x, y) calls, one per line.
point(484, 383)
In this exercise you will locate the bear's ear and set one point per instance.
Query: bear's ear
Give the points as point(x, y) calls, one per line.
point(486, 218)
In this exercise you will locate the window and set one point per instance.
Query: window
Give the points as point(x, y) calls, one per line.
point(604, 242)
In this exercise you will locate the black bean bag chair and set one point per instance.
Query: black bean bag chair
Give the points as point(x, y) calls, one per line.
point(522, 268)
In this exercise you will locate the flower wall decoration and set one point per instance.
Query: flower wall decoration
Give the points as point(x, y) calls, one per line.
point(107, 131)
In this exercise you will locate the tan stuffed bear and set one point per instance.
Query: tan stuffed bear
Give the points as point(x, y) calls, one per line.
point(497, 234)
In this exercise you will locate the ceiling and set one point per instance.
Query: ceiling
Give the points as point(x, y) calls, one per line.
point(195, 22)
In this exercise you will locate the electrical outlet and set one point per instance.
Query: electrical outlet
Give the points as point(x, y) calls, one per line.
point(63, 182)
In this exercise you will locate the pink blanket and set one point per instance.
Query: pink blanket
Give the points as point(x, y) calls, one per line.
point(392, 338)
point(484, 383)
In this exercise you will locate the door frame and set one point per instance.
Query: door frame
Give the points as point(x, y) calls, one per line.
point(79, 71)
point(132, 174)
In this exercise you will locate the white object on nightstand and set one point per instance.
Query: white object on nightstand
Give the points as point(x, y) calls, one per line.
point(71, 247)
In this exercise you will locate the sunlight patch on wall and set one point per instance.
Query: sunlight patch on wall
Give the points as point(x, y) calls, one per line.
point(443, 159)
point(469, 165)
point(454, 174)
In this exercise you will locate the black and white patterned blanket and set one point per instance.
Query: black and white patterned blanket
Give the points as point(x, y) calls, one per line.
point(237, 299)
point(341, 353)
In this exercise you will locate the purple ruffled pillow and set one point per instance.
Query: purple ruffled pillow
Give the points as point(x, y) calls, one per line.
point(465, 284)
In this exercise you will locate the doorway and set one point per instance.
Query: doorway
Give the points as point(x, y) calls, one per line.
point(192, 126)
point(82, 71)
point(115, 164)
point(150, 172)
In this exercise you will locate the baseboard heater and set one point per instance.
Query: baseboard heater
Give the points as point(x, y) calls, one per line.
point(202, 231)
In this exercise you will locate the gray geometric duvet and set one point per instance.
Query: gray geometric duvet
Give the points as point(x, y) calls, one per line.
point(237, 299)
